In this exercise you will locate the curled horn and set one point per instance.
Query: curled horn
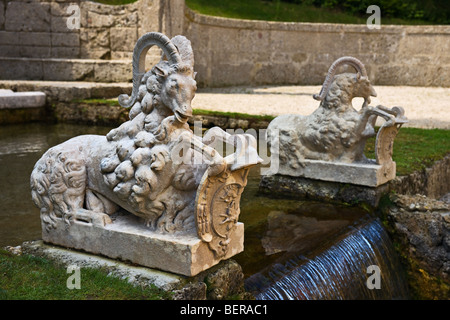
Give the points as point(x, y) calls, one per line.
point(184, 49)
point(331, 72)
point(140, 50)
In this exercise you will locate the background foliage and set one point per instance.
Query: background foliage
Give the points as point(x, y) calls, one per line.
point(333, 11)
point(437, 11)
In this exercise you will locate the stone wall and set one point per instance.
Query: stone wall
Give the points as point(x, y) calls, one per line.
point(420, 229)
point(432, 182)
point(35, 43)
point(43, 28)
point(38, 40)
point(243, 52)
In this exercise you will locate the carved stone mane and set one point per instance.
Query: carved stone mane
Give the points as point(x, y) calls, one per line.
point(142, 169)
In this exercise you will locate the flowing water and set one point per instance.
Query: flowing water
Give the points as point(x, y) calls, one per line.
point(294, 249)
point(345, 271)
point(297, 249)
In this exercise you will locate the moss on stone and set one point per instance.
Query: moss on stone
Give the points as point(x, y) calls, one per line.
point(422, 284)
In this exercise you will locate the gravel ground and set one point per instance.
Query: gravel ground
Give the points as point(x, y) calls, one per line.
point(425, 107)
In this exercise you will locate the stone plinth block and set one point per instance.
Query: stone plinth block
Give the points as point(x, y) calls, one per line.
point(371, 175)
point(15, 100)
point(283, 186)
point(127, 239)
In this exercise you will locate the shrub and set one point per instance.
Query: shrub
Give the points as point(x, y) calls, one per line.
point(436, 11)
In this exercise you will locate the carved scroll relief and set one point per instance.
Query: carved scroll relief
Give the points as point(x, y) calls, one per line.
point(218, 195)
point(217, 208)
point(384, 143)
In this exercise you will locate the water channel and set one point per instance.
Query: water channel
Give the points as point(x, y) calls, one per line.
point(294, 249)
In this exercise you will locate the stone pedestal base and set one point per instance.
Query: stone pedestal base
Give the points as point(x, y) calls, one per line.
point(128, 239)
point(303, 188)
point(371, 175)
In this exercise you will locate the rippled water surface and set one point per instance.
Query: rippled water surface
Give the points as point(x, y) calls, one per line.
point(20, 147)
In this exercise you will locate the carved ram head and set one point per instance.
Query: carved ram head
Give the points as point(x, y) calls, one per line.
point(360, 83)
point(175, 74)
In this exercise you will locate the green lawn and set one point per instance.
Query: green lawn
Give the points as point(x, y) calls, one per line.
point(31, 278)
point(270, 10)
point(416, 149)
point(282, 11)
point(276, 11)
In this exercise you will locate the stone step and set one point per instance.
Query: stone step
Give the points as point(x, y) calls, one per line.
point(48, 69)
point(19, 100)
point(66, 91)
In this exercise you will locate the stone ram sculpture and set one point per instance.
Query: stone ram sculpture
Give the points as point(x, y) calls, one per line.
point(335, 132)
point(147, 167)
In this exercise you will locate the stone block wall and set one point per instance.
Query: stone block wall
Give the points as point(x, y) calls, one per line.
point(43, 29)
point(38, 40)
point(244, 52)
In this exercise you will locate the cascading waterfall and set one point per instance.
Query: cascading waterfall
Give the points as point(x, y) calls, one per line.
point(338, 273)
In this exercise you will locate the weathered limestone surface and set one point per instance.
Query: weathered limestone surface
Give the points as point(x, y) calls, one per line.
point(421, 228)
point(127, 239)
point(40, 34)
point(44, 29)
point(12, 68)
point(19, 100)
point(432, 182)
point(371, 175)
point(303, 188)
point(329, 143)
point(76, 112)
point(59, 91)
point(262, 52)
